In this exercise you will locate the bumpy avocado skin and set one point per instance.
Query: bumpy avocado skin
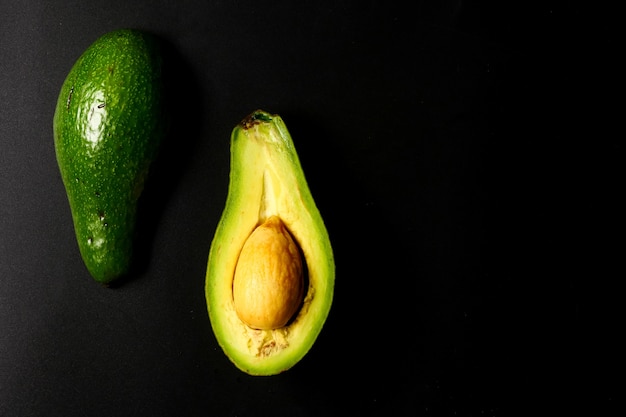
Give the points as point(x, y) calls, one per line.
point(266, 178)
point(108, 125)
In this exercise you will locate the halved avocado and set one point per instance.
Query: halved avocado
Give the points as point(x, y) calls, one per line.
point(267, 186)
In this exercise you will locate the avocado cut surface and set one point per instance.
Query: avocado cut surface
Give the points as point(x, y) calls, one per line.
point(267, 183)
point(107, 130)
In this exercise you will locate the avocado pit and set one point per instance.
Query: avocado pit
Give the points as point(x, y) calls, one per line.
point(268, 283)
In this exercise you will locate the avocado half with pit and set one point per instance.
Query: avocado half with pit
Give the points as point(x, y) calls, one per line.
point(270, 273)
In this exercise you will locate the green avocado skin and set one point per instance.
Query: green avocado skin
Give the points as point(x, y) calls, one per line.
point(108, 126)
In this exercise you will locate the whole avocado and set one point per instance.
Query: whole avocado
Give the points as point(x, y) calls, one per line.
point(108, 126)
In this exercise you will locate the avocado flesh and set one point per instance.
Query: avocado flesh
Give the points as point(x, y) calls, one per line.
point(107, 129)
point(266, 179)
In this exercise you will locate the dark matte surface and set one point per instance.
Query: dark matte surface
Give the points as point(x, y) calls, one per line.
point(432, 139)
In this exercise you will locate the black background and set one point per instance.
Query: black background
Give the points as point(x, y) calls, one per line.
point(438, 139)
